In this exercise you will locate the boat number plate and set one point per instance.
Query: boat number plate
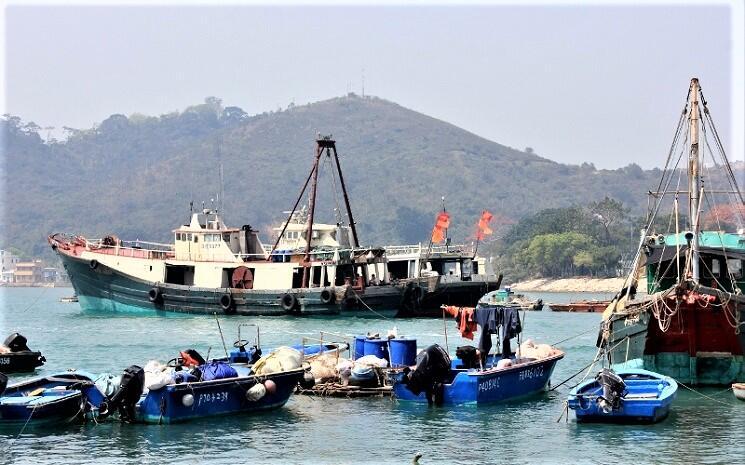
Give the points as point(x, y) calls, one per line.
point(531, 373)
point(5, 361)
point(489, 384)
point(212, 397)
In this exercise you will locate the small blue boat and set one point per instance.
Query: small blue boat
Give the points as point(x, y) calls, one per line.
point(190, 400)
point(59, 398)
point(525, 377)
point(624, 396)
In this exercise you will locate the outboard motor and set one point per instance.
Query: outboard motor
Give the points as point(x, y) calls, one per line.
point(468, 356)
point(129, 392)
point(3, 383)
point(431, 371)
point(16, 343)
point(613, 390)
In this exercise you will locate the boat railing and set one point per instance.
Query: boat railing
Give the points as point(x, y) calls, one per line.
point(418, 249)
point(133, 249)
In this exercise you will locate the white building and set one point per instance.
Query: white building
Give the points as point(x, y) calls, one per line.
point(8, 262)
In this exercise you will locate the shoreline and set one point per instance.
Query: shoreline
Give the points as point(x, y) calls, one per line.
point(577, 284)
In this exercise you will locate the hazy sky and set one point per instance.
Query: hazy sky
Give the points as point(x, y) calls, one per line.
point(602, 83)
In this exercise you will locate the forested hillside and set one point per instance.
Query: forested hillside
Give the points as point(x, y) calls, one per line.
point(135, 176)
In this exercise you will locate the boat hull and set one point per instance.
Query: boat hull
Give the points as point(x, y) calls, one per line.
point(214, 398)
point(106, 289)
point(700, 347)
point(17, 362)
point(425, 296)
point(50, 405)
point(489, 386)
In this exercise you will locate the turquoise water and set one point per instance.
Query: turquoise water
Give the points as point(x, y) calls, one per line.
point(325, 430)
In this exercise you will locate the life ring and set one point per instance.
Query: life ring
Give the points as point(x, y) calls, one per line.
point(289, 302)
point(327, 297)
point(226, 302)
point(93, 264)
point(155, 295)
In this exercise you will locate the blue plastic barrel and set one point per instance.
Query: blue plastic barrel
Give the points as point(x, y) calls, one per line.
point(377, 347)
point(403, 352)
point(359, 346)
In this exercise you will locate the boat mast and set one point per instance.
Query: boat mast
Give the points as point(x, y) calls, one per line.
point(694, 180)
point(331, 145)
point(312, 207)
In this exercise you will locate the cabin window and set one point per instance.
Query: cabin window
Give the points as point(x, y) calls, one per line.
point(188, 236)
point(734, 266)
point(226, 237)
point(195, 238)
point(178, 274)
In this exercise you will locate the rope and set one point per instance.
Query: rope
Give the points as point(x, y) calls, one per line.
point(704, 395)
point(35, 300)
point(359, 298)
point(572, 337)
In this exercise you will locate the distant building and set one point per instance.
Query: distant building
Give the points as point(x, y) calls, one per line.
point(8, 262)
point(49, 274)
point(28, 273)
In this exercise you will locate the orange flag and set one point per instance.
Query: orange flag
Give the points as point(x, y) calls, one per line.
point(483, 226)
point(441, 224)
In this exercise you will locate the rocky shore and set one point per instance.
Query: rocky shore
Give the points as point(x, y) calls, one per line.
point(579, 284)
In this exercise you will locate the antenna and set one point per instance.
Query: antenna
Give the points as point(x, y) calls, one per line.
point(363, 82)
point(221, 194)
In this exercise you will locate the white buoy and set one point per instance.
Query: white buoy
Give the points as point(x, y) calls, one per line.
point(187, 400)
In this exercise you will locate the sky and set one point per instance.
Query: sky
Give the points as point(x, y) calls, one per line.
point(601, 84)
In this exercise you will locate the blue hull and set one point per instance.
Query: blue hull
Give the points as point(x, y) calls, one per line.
point(489, 386)
point(50, 404)
point(214, 398)
point(647, 399)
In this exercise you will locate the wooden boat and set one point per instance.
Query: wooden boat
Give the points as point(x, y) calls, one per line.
point(739, 390)
point(469, 379)
point(507, 297)
point(626, 396)
point(438, 275)
point(687, 324)
point(526, 377)
point(191, 400)
point(582, 306)
point(58, 398)
point(15, 356)
point(213, 268)
point(240, 383)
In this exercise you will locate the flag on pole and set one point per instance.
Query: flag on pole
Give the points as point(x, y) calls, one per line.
point(441, 224)
point(483, 228)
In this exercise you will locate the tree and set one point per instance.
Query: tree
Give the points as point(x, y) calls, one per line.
point(608, 212)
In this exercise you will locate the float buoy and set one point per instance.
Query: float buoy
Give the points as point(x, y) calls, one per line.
point(289, 301)
point(327, 297)
point(226, 302)
point(155, 295)
point(93, 264)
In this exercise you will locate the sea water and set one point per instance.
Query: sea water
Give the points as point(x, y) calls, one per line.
point(330, 430)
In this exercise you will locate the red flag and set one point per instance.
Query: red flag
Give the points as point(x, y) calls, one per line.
point(441, 224)
point(483, 228)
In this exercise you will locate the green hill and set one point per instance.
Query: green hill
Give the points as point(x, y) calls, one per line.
point(135, 176)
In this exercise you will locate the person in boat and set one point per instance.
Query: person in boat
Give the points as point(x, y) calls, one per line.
point(374, 280)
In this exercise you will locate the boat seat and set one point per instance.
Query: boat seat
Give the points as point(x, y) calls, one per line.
point(641, 395)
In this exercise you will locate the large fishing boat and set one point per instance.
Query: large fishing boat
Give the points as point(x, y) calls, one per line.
point(211, 267)
point(689, 323)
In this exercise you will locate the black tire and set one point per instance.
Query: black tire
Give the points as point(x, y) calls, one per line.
point(155, 295)
point(93, 264)
point(327, 297)
point(226, 302)
point(288, 302)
